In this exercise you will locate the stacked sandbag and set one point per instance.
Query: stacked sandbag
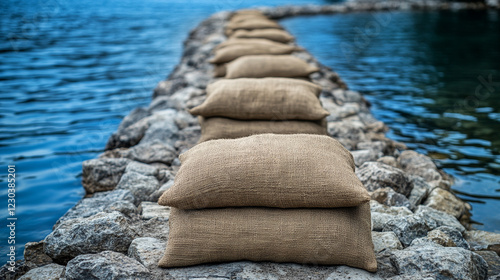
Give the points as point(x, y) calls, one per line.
point(270, 185)
point(242, 107)
point(268, 197)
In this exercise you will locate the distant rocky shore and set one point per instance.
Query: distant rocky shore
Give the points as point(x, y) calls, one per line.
point(118, 231)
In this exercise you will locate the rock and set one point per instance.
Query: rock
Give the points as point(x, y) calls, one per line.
point(420, 165)
point(47, 272)
point(424, 241)
point(407, 228)
point(163, 129)
point(147, 250)
point(139, 185)
point(483, 240)
point(493, 261)
point(141, 168)
point(376, 175)
point(155, 152)
point(435, 218)
point(445, 201)
point(97, 233)
point(345, 272)
point(448, 237)
point(166, 88)
point(156, 195)
point(349, 133)
point(151, 210)
point(389, 161)
point(34, 256)
point(389, 197)
point(106, 265)
point(419, 191)
point(436, 262)
point(114, 141)
point(125, 207)
point(362, 156)
point(99, 202)
point(385, 241)
point(343, 96)
point(102, 174)
point(155, 227)
point(376, 206)
point(20, 268)
point(184, 119)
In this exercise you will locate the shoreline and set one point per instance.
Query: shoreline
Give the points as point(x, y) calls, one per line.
point(140, 162)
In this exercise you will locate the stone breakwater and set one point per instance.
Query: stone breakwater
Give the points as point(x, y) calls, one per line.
point(118, 231)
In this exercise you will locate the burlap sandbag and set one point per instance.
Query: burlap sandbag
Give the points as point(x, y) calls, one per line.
point(267, 85)
point(339, 236)
point(230, 53)
point(224, 128)
point(252, 103)
point(260, 66)
point(277, 35)
point(269, 170)
point(247, 42)
point(253, 23)
point(240, 18)
point(220, 70)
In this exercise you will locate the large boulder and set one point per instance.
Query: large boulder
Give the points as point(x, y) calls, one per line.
point(47, 272)
point(435, 218)
point(147, 250)
point(483, 240)
point(407, 228)
point(420, 165)
point(102, 174)
point(376, 175)
point(141, 186)
point(106, 265)
point(445, 201)
point(154, 152)
point(97, 233)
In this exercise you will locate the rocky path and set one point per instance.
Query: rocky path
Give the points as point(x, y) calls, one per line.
point(118, 231)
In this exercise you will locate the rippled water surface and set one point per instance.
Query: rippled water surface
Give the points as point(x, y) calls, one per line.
point(69, 72)
point(434, 78)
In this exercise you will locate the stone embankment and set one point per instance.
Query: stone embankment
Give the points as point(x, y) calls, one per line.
point(118, 231)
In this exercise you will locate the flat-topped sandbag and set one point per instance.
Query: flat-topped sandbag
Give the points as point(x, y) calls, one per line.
point(230, 53)
point(249, 99)
point(268, 170)
point(260, 66)
point(253, 23)
point(224, 128)
point(340, 236)
point(240, 18)
point(247, 42)
point(277, 35)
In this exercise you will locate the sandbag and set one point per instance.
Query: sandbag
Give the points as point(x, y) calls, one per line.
point(224, 128)
point(259, 66)
point(340, 236)
point(262, 99)
point(277, 35)
point(268, 170)
point(230, 53)
point(244, 41)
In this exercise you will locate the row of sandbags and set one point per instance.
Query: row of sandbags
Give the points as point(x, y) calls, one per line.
point(265, 183)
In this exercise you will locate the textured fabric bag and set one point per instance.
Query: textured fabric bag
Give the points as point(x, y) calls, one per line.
point(269, 170)
point(259, 66)
point(277, 35)
point(254, 103)
point(247, 42)
point(240, 18)
point(253, 23)
point(223, 128)
point(220, 70)
point(339, 236)
point(230, 53)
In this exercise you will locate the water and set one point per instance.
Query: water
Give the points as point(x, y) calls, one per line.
point(434, 78)
point(69, 72)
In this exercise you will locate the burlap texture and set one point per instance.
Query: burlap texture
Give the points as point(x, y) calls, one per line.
point(340, 236)
point(260, 66)
point(269, 170)
point(223, 128)
point(253, 103)
point(247, 42)
point(252, 23)
point(267, 85)
point(232, 52)
point(220, 70)
point(243, 17)
point(277, 35)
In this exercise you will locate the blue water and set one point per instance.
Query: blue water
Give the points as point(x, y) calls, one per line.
point(69, 72)
point(434, 78)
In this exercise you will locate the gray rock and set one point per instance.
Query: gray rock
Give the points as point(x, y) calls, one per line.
point(376, 175)
point(151, 210)
point(445, 201)
point(385, 241)
point(493, 261)
point(420, 165)
point(34, 256)
point(154, 227)
point(184, 119)
point(349, 133)
point(389, 197)
point(136, 115)
point(435, 218)
point(163, 130)
point(362, 156)
point(125, 207)
point(47, 272)
point(147, 250)
point(139, 185)
point(155, 152)
point(343, 96)
point(448, 237)
point(407, 228)
point(483, 240)
point(418, 262)
point(157, 194)
point(144, 169)
point(419, 191)
point(166, 88)
point(389, 161)
point(376, 206)
point(102, 174)
point(103, 231)
point(99, 202)
point(345, 272)
point(106, 265)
